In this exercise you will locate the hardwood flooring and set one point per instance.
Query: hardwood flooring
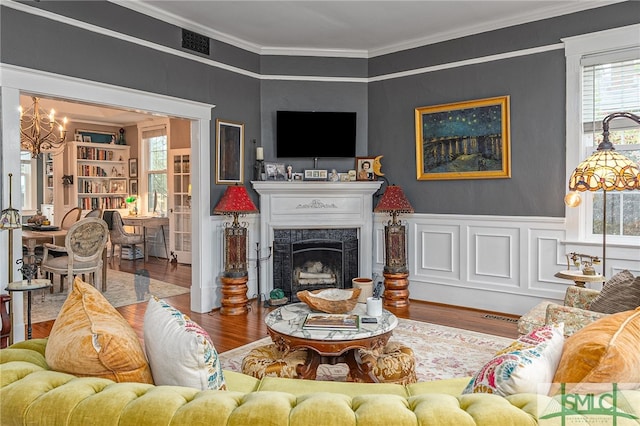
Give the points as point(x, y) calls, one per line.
point(229, 332)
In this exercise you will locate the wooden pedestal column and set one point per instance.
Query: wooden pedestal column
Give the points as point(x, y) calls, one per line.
point(234, 296)
point(396, 290)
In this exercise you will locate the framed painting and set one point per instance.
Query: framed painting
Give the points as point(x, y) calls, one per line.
point(464, 140)
point(133, 187)
point(118, 186)
point(133, 167)
point(95, 136)
point(229, 152)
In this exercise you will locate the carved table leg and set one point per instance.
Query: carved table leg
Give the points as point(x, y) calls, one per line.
point(359, 371)
point(309, 369)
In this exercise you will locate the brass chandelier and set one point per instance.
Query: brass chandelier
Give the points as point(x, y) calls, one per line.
point(40, 131)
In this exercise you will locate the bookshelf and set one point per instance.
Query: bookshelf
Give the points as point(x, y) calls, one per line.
point(101, 174)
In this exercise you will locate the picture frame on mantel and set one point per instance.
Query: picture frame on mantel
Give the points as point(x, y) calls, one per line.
point(464, 140)
point(229, 152)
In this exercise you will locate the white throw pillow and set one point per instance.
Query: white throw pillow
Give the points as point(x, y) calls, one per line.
point(179, 351)
point(526, 366)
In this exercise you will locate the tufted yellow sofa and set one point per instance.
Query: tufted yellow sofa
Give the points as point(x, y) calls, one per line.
point(32, 394)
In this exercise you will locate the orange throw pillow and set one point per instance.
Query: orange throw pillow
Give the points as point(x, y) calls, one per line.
point(90, 338)
point(604, 352)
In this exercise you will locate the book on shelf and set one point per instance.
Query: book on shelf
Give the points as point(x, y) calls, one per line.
point(317, 321)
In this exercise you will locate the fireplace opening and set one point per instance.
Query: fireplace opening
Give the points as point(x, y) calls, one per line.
point(313, 259)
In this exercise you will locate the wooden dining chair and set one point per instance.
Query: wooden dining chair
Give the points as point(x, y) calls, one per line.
point(71, 217)
point(94, 213)
point(83, 247)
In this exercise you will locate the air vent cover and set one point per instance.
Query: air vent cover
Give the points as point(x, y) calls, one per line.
point(195, 42)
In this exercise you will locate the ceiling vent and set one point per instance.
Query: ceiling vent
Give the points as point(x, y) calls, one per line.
point(195, 42)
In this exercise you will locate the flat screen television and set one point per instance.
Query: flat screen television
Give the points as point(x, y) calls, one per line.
point(311, 134)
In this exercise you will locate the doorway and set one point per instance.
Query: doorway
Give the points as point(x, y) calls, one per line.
point(18, 79)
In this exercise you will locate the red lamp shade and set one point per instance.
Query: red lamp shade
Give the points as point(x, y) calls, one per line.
point(394, 201)
point(235, 200)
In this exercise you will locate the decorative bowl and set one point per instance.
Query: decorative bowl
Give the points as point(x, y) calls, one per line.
point(331, 300)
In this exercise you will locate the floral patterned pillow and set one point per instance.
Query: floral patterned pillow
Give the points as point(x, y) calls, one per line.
point(526, 366)
point(180, 352)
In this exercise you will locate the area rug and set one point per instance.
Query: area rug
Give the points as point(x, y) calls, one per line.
point(441, 352)
point(120, 292)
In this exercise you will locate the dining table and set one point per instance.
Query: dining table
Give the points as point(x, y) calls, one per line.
point(33, 237)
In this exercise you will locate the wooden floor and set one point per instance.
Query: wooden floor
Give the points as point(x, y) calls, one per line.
point(229, 332)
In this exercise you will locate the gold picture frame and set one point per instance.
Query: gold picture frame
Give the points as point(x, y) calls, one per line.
point(229, 152)
point(464, 140)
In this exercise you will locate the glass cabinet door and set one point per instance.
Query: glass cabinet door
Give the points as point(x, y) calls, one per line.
point(180, 199)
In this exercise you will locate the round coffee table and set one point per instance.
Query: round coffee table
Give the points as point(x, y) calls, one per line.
point(329, 346)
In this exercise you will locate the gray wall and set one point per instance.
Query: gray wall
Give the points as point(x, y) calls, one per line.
point(385, 108)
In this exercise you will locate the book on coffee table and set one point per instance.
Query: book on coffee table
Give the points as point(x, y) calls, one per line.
point(331, 322)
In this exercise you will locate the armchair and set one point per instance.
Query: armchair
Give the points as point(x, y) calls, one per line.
point(574, 313)
point(118, 235)
point(83, 247)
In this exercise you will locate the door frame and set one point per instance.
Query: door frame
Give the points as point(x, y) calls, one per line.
point(15, 80)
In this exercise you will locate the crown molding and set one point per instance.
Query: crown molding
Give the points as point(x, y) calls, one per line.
point(523, 18)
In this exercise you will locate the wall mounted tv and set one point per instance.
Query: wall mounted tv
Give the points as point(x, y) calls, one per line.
point(311, 134)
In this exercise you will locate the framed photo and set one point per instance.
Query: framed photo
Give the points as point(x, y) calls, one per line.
point(86, 138)
point(364, 168)
point(275, 171)
point(133, 187)
point(297, 176)
point(314, 174)
point(77, 137)
point(133, 167)
point(229, 152)
point(118, 186)
point(464, 140)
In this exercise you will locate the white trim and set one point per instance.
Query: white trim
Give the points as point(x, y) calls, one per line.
point(110, 33)
point(467, 62)
point(15, 79)
point(577, 219)
point(217, 64)
point(558, 10)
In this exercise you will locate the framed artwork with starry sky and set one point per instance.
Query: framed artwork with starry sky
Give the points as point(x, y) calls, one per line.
point(464, 140)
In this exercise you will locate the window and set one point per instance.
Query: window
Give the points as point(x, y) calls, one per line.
point(155, 145)
point(28, 181)
point(603, 76)
point(612, 86)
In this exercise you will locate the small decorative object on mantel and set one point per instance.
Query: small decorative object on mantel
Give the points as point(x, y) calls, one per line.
point(331, 300)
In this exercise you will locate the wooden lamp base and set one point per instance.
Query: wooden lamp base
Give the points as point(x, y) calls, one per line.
point(234, 296)
point(396, 289)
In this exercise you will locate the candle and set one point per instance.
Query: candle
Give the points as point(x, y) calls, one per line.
point(259, 153)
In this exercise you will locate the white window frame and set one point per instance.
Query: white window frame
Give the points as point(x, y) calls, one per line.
point(31, 197)
point(143, 161)
point(578, 219)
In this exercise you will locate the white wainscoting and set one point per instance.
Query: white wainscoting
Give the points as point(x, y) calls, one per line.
point(498, 263)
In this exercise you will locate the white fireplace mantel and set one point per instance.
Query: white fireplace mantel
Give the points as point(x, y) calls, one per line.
point(316, 205)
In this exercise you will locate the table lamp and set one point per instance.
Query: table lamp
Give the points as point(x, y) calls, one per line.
point(396, 283)
point(234, 202)
point(605, 170)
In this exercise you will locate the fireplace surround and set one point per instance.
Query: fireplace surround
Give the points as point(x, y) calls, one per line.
point(337, 214)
